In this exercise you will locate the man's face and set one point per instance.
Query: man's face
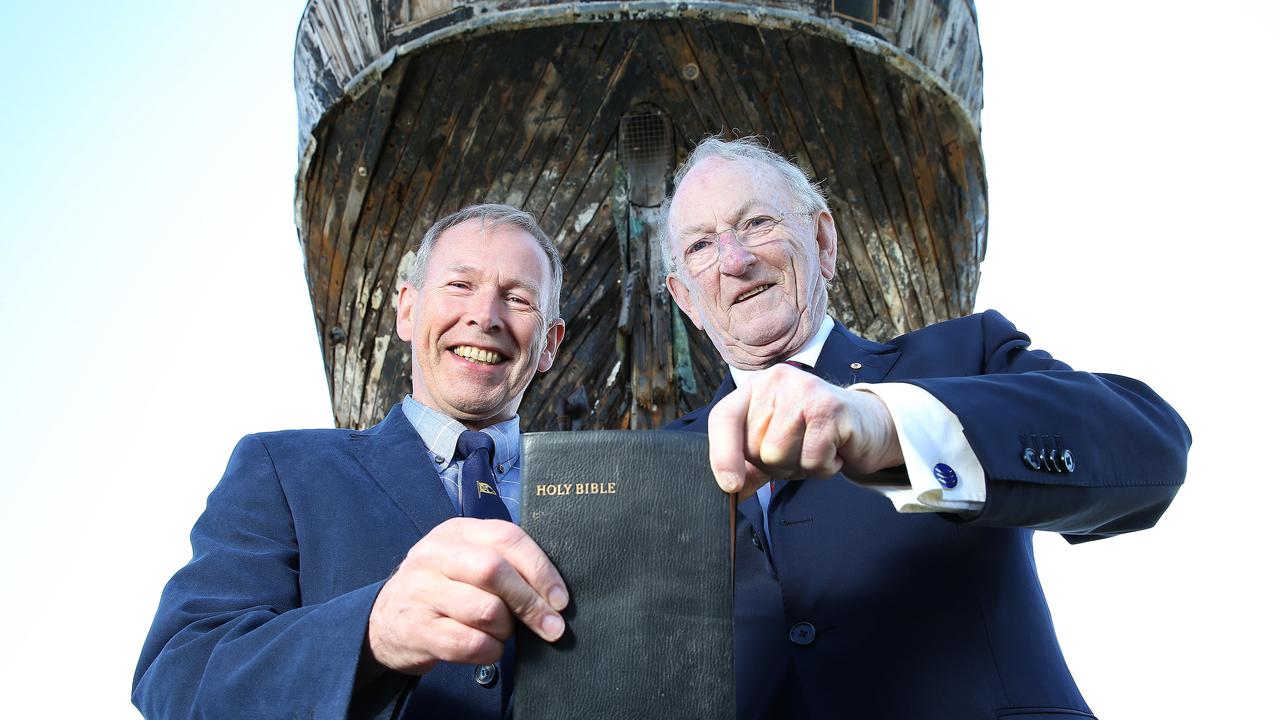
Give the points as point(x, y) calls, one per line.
point(478, 326)
point(762, 303)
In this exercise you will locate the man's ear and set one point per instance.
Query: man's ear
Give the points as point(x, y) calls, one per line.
point(555, 334)
point(680, 293)
point(827, 244)
point(404, 311)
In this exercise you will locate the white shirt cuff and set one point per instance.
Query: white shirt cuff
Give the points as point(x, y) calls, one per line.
point(944, 471)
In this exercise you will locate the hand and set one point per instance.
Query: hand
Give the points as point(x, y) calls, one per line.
point(789, 424)
point(458, 593)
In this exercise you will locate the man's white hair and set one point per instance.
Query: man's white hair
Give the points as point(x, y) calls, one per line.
point(797, 181)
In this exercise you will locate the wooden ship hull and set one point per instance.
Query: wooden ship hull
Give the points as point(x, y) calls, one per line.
point(579, 113)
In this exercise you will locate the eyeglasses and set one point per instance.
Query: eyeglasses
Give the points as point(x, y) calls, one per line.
point(704, 251)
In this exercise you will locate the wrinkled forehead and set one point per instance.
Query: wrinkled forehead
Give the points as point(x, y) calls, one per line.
point(718, 190)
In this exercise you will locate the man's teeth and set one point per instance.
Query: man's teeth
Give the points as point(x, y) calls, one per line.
point(487, 357)
point(752, 293)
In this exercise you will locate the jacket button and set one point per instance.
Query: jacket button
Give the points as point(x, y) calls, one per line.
point(1068, 461)
point(487, 675)
point(802, 634)
point(755, 540)
point(1030, 457)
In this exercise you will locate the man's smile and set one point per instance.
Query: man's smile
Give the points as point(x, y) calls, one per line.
point(477, 355)
point(747, 295)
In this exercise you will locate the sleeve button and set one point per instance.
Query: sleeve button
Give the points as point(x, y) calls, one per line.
point(1030, 457)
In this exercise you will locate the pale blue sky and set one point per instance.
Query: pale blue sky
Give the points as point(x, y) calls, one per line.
point(154, 309)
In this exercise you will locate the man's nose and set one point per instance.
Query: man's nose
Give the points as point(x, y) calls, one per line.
point(485, 311)
point(735, 258)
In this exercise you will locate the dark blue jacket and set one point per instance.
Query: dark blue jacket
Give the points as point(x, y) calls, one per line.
point(917, 617)
point(269, 617)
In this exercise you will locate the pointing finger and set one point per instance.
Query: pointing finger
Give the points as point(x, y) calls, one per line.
point(726, 428)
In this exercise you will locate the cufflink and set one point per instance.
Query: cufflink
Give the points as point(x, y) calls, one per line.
point(945, 476)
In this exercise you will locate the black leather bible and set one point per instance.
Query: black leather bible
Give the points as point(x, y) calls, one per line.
point(643, 537)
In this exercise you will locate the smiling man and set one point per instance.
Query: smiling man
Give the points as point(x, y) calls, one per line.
point(356, 574)
point(884, 565)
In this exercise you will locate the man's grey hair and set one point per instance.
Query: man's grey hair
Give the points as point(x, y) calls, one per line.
point(795, 179)
point(492, 215)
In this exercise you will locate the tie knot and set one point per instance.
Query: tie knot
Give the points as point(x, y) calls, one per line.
point(800, 365)
point(472, 440)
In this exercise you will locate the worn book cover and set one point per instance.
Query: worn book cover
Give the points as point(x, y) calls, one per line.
point(643, 537)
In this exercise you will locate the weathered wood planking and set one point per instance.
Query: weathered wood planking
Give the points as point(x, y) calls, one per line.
point(341, 44)
point(531, 117)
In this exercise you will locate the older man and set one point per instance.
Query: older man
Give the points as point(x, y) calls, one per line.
point(286, 609)
point(924, 605)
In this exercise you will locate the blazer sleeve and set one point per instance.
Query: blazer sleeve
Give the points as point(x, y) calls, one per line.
point(231, 638)
point(1127, 447)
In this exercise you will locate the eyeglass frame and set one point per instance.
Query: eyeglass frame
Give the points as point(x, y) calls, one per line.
point(714, 237)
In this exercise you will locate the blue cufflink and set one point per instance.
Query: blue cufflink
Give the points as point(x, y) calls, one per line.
point(947, 477)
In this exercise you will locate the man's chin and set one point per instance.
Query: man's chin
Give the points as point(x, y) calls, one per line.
point(761, 350)
point(765, 335)
point(471, 412)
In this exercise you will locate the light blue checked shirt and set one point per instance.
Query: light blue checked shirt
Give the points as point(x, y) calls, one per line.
point(440, 434)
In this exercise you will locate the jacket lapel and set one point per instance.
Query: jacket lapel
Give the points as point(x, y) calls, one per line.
point(847, 359)
point(395, 456)
point(696, 421)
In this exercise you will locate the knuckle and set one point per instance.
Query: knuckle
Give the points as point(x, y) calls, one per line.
point(525, 607)
point(824, 403)
point(467, 643)
point(539, 565)
point(490, 611)
point(486, 567)
point(447, 640)
point(438, 637)
point(772, 452)
point(506, 534)
point(818, 433)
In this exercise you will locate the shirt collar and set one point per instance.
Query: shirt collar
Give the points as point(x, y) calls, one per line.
point(440, 434)
point(808, 354)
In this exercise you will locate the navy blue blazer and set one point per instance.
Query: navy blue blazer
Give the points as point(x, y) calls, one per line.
point(859, 611)
point(269, 618)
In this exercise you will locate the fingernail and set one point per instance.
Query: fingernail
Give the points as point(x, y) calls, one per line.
point(552, 626)
point(558, 598)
